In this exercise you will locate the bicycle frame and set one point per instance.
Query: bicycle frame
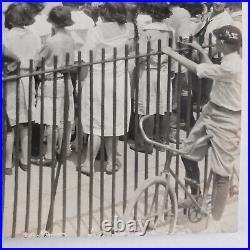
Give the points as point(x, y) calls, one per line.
point(167, 170)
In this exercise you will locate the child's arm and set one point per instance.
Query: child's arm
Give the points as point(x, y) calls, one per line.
point(192, 66)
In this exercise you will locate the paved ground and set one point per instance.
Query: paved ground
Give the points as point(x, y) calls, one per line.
point(229, 222)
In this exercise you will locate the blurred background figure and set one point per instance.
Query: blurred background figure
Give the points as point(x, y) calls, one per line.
point(235, 10)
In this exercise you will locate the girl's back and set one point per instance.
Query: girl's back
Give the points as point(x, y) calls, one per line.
point(58, 45)
point(23, 43)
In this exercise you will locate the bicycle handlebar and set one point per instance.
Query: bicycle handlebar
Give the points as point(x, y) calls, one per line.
point(167, 147)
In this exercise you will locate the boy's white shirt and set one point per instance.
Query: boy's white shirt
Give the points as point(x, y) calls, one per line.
point(226, 91)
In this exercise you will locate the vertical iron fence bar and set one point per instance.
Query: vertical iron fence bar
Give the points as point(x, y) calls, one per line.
point(114, 137)
point(79, 141)
point(170, 44)
point(91, 145)
point(147, 112)
point(189, 97)
point(30, 106)
point(178, 121)
point(4, 131)
point(125, 179)
point(102, 141)
point(54, 128)
point(169, 82)
point(17, 142)
point(158, 101)
point(158, 132)
point(137, 53)
point(65, 141)
point(40, 192)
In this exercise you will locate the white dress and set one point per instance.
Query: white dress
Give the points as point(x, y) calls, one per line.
point(24, 44)
point(154, 32)
point(108, 36)
point(58, 45)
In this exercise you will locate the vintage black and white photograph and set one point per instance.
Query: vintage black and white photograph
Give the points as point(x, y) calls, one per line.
point(121, 118)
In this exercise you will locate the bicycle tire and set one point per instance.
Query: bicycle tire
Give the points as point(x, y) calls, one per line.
point(158, 181)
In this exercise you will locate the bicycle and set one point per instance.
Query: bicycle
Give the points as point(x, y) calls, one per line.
point(163, 209)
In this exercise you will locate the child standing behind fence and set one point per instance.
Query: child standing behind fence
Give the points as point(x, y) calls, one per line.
point(24, 44)
point(112, 32)
point(59, 44)
point(156, 101)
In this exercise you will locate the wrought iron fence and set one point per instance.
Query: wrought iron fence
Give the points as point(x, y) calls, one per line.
point(129, 179)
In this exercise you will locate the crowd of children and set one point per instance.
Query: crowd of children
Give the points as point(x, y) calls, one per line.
point(31, 34)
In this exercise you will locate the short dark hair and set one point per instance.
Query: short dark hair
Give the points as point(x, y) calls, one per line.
point(18, 15)
point(158, 11)
point(60, 16)
point(114, 12)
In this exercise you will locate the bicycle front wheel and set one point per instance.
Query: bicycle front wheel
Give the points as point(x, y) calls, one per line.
point(154, 204)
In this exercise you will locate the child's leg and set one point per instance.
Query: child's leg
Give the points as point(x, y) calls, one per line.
point(48, 154)
point(69, 132)
point(193, 173)
point(9, 148)
point(68, 137)
point(24, 144)
point(96, 146)
point(109, 148)
point(221, 185)
point(60, 137)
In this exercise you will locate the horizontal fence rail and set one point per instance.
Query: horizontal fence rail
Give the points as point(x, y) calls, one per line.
point(52, 194)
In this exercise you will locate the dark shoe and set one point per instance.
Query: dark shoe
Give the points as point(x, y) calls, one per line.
point(24, 167)
point(8, 171)
point(142, 149)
